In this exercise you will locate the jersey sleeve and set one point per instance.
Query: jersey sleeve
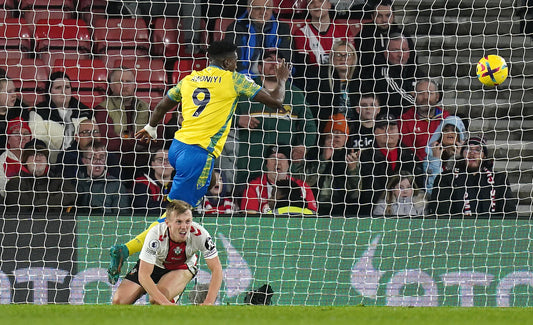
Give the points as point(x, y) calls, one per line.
point(244, 85)
point(150, 247)
point(175, 92)
point(205, 243)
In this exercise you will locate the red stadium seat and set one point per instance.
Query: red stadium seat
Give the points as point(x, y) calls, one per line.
point(7, 9)
point(92, 5)
point(91, 98)
point(49, 57)
point(121, 34)
point(62, 34)
point(150, 73)
point(88, 10)
point(32, 4)
point(290, 8)
point(183, 67)
point(151, 78)
point(165, 37)
point(13, 54)
point(84, 74)
point(88, 79)
point(15, 35)
point(5, 13)
point(117, 55)
point(27, 74)
point(31, 98)
point(183, 42)
point(8, 4)
point(33, 16)
point(221, 25)
point(152, 97)
point(117, 38)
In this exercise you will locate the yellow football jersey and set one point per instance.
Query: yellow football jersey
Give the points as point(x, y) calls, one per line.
point(208, 100)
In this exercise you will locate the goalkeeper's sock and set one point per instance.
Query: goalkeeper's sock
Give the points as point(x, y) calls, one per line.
point(136, 244)
point(120, 253)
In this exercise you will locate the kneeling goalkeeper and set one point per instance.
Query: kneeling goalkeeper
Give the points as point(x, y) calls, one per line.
point(167, 262)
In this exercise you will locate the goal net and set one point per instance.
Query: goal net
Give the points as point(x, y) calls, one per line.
point(351, 193)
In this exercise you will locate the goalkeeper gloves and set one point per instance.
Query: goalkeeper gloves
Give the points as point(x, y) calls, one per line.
point(119, 254)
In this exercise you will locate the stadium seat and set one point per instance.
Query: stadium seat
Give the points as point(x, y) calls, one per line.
point(29, 77)
point(88, 79)
point(5, 13)
point(221, 25)
point(150, 73)
point(84, 74)
point(31, 98)
point(88, 10)
point(68, 34)
point(7, 4)
point(27, 74)
point(290, 8)
point(13, 54)
point(151, 78)
point(152, 97)
point(7, 9)
point(183, 67)
point(49, 57)
point(33, 16)
point(89, 97)
point(183, 42)
point(92, 5)
point(15, 36)
point(121, 35)
point(32, 4)
point(165, 37)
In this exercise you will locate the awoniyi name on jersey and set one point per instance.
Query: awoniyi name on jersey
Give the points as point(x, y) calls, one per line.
point(207, 79)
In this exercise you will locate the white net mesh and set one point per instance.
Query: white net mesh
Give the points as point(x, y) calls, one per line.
point(363, 133)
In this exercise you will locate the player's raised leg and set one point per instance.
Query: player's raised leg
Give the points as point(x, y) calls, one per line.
point(119, 253)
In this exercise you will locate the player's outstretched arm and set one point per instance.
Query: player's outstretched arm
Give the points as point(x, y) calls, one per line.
point(216, 280)
point(149, 132)
point(274, 98)
point(156, 296)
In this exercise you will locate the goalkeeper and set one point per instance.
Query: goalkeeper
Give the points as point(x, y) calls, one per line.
point(167, 262)
point(208, 99)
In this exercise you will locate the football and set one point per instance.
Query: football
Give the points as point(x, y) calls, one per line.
point(492, 70)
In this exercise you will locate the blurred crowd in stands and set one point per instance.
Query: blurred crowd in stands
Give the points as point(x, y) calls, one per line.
point(362, 131)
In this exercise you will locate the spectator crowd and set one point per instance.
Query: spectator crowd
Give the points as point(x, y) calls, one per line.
point(362, 132)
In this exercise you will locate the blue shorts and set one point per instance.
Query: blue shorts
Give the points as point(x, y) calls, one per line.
point(193, 166)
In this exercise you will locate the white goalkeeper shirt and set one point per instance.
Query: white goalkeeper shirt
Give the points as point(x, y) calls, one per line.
point(160, 250)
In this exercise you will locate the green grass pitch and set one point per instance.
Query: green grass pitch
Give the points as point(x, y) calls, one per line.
point(236, 315)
